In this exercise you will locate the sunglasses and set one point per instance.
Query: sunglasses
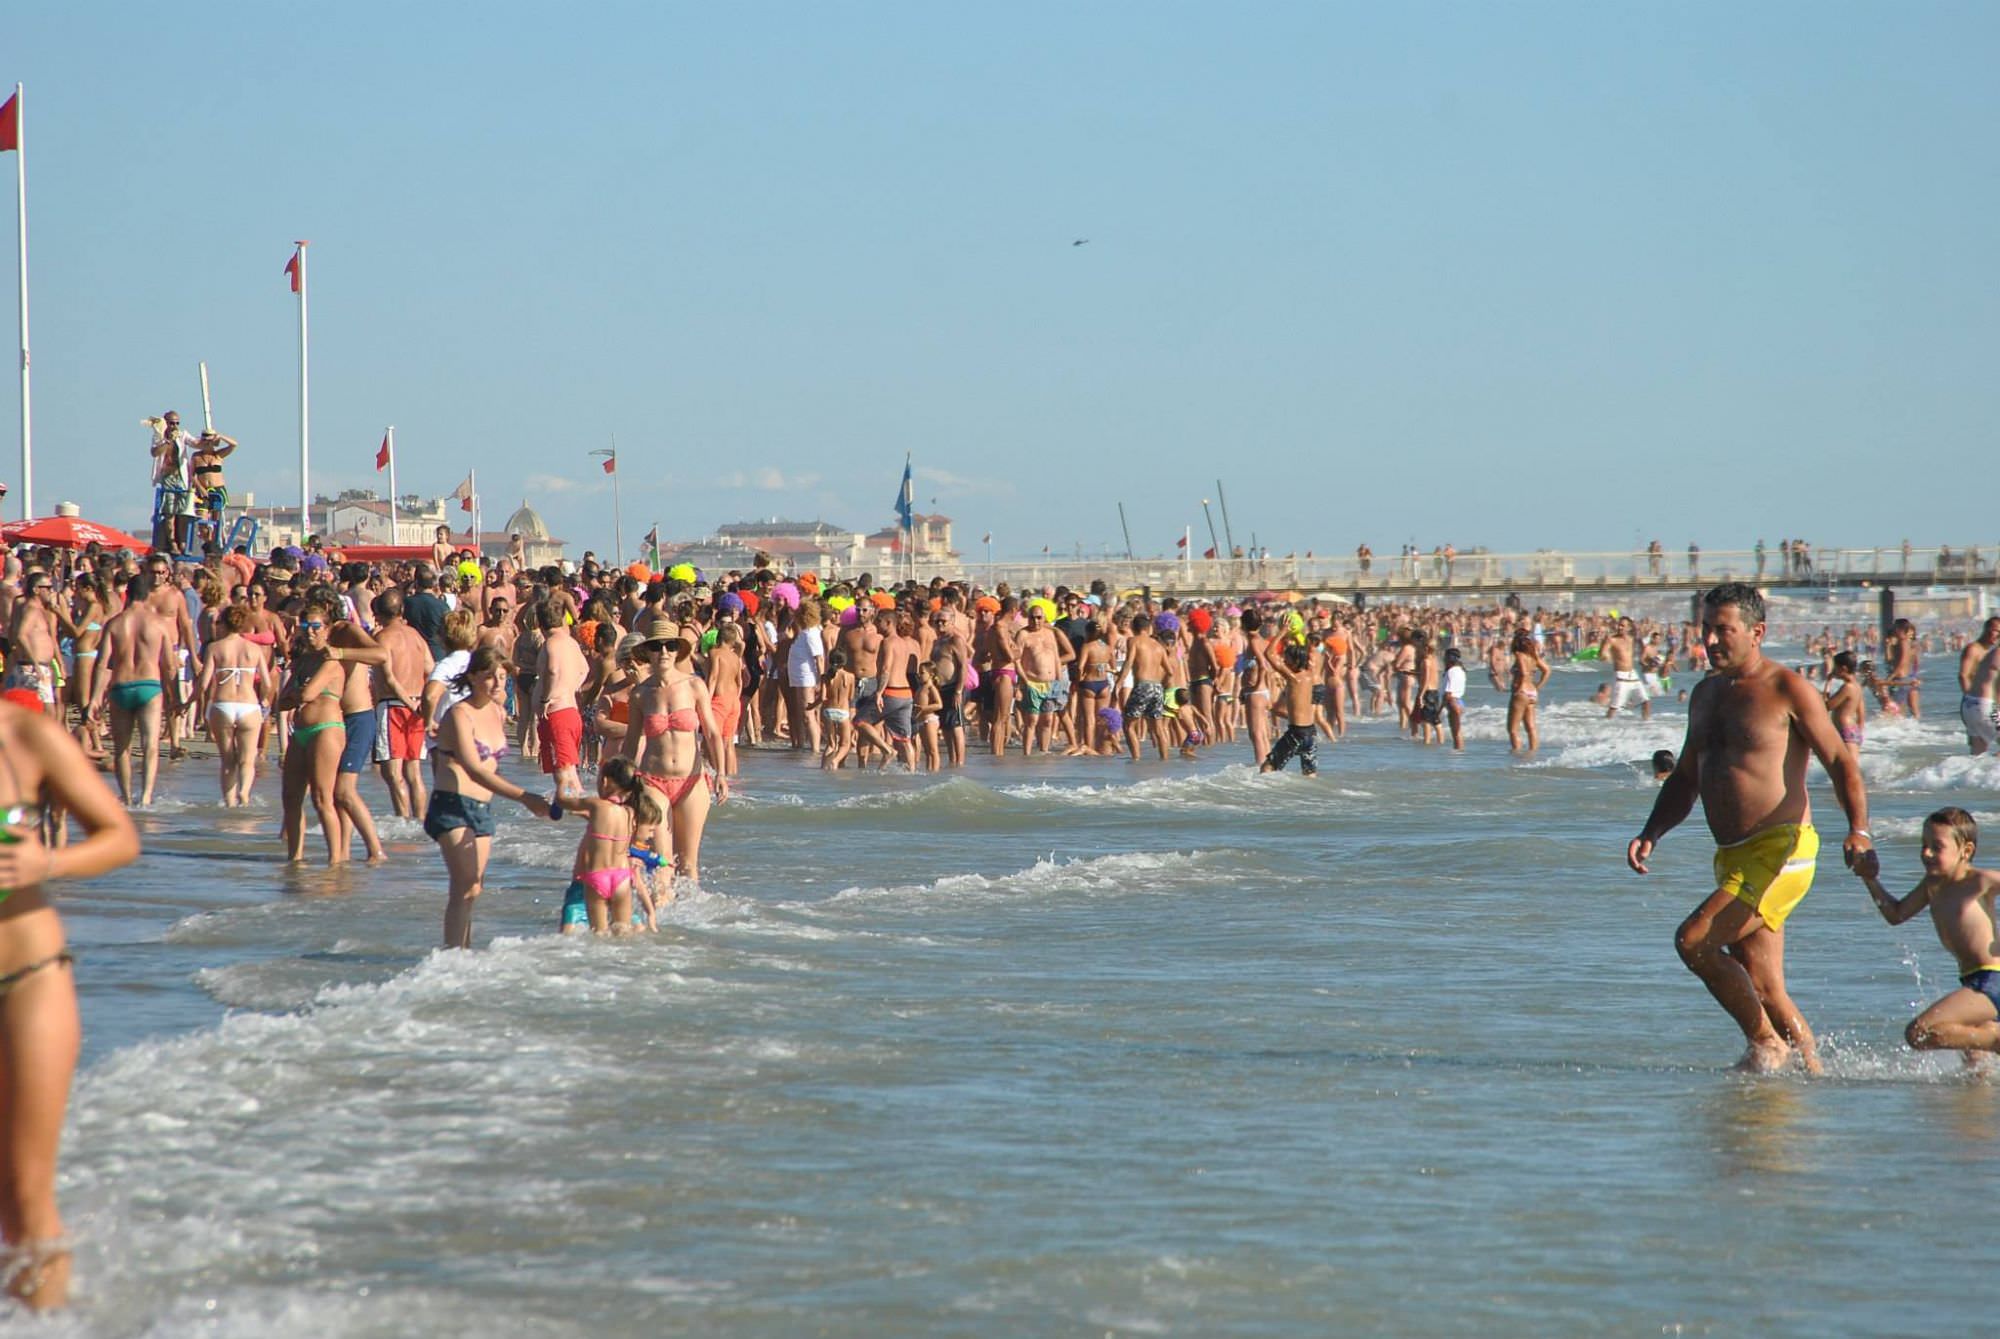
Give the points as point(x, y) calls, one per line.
point(310, 624)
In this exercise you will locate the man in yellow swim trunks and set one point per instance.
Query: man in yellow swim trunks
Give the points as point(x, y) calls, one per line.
point(1751, 724)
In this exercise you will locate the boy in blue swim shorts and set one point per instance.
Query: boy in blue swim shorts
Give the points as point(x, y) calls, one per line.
point(1960, 897)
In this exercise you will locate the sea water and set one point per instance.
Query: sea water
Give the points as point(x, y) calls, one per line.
point(1039, 1047)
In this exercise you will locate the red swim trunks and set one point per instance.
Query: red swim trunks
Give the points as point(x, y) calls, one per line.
point(561, 736)
point(728, 715)
point(406, 734)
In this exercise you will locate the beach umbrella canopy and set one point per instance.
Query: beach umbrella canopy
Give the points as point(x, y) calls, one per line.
point(70, 532)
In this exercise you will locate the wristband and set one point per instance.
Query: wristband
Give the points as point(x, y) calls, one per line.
point(1862, 832)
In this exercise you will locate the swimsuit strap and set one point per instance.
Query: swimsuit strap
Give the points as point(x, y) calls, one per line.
point(14, 978)
point(13, 780)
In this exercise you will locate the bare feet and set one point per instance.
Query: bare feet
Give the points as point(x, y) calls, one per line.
point(1765, 1057)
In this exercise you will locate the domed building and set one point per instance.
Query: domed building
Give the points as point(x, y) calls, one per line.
point(541, 547)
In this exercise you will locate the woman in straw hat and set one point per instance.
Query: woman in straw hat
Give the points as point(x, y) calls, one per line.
point(676, 730)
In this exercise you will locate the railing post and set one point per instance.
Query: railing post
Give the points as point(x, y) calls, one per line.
point(1888, 614)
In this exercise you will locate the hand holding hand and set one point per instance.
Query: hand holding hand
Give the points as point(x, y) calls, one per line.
point(1859, 853)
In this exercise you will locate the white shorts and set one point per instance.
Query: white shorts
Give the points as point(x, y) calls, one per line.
point(1982, 720)
point(380, 753)
point(1626, 691)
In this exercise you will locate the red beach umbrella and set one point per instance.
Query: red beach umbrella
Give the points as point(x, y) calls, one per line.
point(70, 532)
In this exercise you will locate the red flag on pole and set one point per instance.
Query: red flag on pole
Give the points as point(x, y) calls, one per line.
point(382, 455)
point(292, 268)
point(1208, 553)
point(464, 494)
point(1181, 543)
point(10, 125)
point(611, 463)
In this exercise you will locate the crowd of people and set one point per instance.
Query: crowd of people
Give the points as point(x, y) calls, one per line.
point(634, 691)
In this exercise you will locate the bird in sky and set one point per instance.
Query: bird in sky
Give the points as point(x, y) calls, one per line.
point(1080, 241)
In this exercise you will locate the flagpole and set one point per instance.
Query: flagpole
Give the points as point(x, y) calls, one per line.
point(909, 517)
point(472, 478)
point(617, 512)
point(392, 483)
point(305, 409)
point(21, 196)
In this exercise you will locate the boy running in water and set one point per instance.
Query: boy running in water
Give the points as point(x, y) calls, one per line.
point(1301, 736)
point(1961, 901)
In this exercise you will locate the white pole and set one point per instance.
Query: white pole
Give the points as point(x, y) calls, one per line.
point(473, 477)
point(617, 515)
point(1187, 547)
point(392, 484)
point(305, 404)
point(207, 408)
point(21, 195)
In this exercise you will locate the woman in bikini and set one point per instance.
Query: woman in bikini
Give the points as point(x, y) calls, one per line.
point(266, 631)
point(312, 756)
point(211, 494)
point(1254, 678)
point(231, 693)
point(1093, 688)
point(1529, 673)
point(39, 1030)
point(465, 776)
point(90, 607)
point(676, 728)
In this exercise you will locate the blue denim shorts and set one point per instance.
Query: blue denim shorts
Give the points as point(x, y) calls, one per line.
point(450, 810)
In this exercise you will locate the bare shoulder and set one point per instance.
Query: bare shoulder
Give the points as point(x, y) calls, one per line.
point(1801, 696)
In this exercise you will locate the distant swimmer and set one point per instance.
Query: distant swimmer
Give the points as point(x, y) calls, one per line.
point(1961, 901)
point(1846, 702)
point(1750, 725)
point(1905, 670)
point(1978, 677)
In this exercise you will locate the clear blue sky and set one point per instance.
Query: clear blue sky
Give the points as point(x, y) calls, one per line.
point(1504, 274)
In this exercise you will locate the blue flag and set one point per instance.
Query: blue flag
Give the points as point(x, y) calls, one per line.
point(906, 511)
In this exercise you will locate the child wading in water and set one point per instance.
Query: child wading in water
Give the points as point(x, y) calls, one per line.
point(603, 880)
point(1299, 739)
point(1961, 901)
point(930, 704)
